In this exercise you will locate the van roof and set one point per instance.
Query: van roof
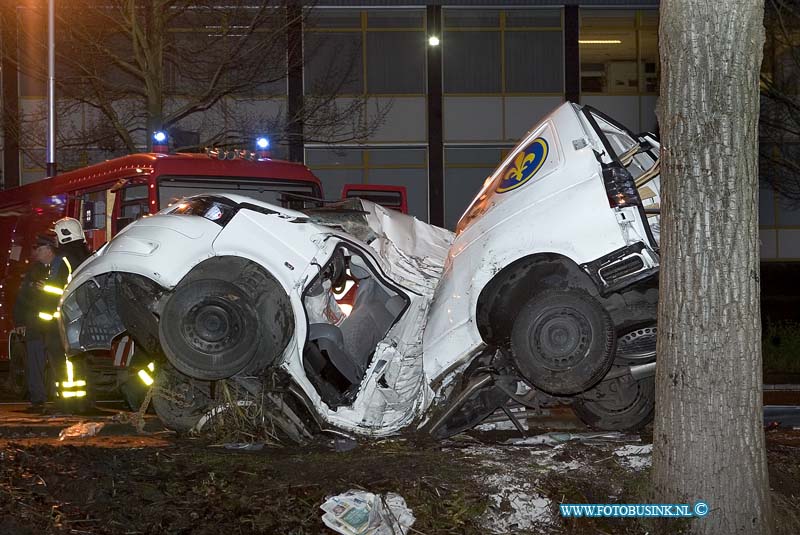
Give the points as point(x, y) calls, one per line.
point(161, 164)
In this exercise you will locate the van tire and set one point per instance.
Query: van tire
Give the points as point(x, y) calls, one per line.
point(179, 401)
point(209, 329)
point(563, 341)
point(621, 404)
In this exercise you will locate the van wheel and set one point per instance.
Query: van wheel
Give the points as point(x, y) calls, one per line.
point(180, 401)
point(563, 341)
point(209, 329)
point(621, 404)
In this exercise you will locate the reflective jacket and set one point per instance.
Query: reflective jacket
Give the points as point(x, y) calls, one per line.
point(58, 276)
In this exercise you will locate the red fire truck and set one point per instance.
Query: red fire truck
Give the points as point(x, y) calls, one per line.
point(107, 196)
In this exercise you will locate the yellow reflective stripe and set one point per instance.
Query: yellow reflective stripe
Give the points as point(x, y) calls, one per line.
point(56, 314)
point(145, 377)
point(151, 367)
point(45, 316)
point(53, 289)
point(78, 394)
point(70, 371)
point(69, 266)
point(73, 384)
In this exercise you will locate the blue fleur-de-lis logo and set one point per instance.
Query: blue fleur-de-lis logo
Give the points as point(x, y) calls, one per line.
point(524, 166)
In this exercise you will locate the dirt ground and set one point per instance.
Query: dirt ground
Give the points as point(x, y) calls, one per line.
point(124, 482)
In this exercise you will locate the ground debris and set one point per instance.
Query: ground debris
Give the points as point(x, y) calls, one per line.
point(81, 430)
point(357, 512)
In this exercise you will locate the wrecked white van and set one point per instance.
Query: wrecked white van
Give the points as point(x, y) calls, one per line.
point(367, 322)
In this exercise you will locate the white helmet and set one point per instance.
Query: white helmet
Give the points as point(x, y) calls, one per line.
point(68, 230)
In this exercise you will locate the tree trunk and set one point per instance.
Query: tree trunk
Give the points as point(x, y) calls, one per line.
point(709, 436)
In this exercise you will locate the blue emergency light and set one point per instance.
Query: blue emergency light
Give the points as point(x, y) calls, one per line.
point(160, 141)
point(262, 148)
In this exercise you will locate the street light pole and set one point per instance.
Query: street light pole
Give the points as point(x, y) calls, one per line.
point(51, 88)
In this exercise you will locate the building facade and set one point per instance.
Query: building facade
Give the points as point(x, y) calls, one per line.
point(436, 116)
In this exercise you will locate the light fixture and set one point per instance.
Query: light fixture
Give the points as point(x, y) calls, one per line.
point(433, 40)
point(160, 144)
point(599, 41)
point(262, 148)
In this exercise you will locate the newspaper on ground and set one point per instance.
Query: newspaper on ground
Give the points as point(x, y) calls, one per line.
point(81, 430)
point(357, 512)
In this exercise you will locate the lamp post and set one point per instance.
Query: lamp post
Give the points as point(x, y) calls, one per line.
point(51, 89)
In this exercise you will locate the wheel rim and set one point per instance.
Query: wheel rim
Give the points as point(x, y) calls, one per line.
point(618, 395)
point(212, 326)
point(562, 338)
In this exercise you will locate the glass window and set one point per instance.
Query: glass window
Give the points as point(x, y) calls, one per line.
point(333, 180)
point(607, 17)
point(471, 18)
point(396, 157)
point(395, 18)
point(534, 62)
point(471, 62)
point(461, 185)
point(466, 169)
point(474, 156)
point(334, 18)
point(533, 18)
point(619, 51)
point(334, 157)
point(333, 63)
point(766, 206)
point(788, 212)
point(93, 210)
point(396, 62)
point(133, 205)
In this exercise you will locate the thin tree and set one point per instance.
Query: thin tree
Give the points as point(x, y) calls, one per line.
point(709, 436)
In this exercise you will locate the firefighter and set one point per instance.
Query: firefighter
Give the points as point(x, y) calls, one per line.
point(27, 325)
point(59, 273)
point(73, 250)
point(71, 241)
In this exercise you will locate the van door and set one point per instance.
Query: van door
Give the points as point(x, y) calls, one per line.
point(638, 154)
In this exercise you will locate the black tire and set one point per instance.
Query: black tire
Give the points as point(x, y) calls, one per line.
point(563, 341)
point(274, 309)
point(180, 401)
point(621, 404)
point(209, 329)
